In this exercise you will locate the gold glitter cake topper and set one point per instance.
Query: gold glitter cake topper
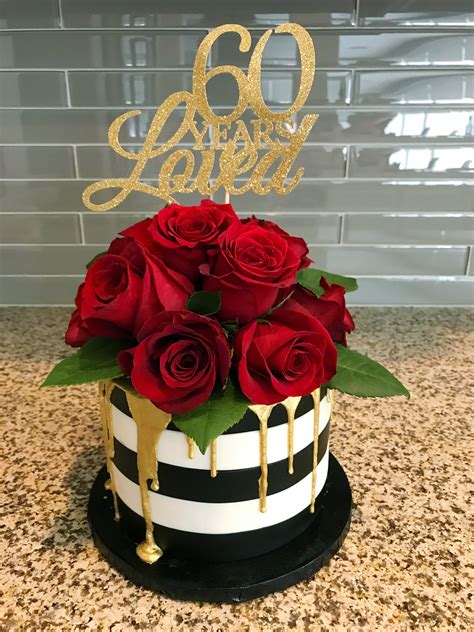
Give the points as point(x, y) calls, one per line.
point(259, 155)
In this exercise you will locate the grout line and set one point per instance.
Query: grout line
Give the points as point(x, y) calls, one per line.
point(81, 229)
point(342, 224)
point(416, 67)
point(60, 14)
point(76, 166)
point(445, 29)
point(354, 107)
point(357, 11)
point(469, 259)
point(68, 91)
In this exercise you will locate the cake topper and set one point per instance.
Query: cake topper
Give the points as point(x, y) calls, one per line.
point(260, 155)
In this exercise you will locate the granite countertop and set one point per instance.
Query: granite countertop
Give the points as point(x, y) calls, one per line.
point(403, 565)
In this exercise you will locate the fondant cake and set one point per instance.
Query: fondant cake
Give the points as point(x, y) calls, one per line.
point(217, 347)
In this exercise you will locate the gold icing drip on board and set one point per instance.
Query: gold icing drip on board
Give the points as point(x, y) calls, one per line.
point(105, 389)
point(214, 459)
point(316, 401)
point(263, 413)
point(190, 447)
point(151, 422)
point(291, 404)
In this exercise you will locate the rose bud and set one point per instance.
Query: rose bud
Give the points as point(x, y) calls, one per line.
point(180, 359)
point(77, 333)
point(291, 355)
point(256, 259)
point(110, 297)
point(183, 235)
point(329, 308)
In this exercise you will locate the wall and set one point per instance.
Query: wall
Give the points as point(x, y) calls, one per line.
point(388, 192)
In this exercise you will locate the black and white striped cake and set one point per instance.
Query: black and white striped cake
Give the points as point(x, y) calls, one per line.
point(219, 519)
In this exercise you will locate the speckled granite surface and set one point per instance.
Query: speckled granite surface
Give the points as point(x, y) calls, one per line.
point(403, 566)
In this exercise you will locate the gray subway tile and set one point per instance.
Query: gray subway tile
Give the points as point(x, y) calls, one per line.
point(26, 14)
point(414, 87)
point(101, 228)
point(412, 126)
point(419, 291)
point(415, 13)
point(19, 228)
point(332, 126)
point(387, 260)
point(78, 126)
point(32, 89)
point(417, 228)
point(185, 13)
point(91, 49)
point(66, 196)
point(319, 196)
point(38, 260)
point(36, 162)
point(352, 195)
point(37, 290)
point(370, 49)
point(145, 88)
point(411, 162)
point(103, 162)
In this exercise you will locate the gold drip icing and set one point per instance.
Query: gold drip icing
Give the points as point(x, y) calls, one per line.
point(315, 395)
point(190, 447)
point(151, 422)
point(214, 458)
point(263, 413)
point(291, 404)
point(105, 389)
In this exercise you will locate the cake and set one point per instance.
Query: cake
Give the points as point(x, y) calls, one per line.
point(217, 347)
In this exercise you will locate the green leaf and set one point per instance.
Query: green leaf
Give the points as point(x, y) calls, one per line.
point(359, 375)
point(347, 282)
point(204, 303)
point(88, 265)
point(96, 360)
point(220, 412)
point(310, 279)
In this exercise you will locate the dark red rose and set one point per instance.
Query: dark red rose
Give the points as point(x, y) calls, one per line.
point(181, 357)
point(110, 297)
point(77, 333)
point(131, 250)
point(256, 259)
point(183, 235)
point(291, 355)
point(163, 289)
point(330, 309)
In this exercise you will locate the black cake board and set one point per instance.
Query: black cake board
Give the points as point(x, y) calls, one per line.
point(228, 582)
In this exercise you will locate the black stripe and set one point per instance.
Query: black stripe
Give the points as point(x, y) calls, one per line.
point(248, 422)
point(229, 485)
point(221, 547)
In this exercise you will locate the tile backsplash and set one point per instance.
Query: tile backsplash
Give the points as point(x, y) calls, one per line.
point(388, 189)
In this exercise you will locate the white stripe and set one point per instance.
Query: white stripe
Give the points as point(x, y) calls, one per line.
point(234, 451)
point(214, 518)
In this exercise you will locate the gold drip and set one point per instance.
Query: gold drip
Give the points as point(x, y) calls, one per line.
point(190, 447)
point(291, 404)
point(151, 422)
point(263, 413)
point(214, 459)
point(105, 389)
point(315, 395)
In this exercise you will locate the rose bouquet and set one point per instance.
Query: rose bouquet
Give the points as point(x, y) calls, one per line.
point(204, 314)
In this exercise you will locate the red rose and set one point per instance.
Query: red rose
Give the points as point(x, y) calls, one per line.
point(255, 259)
point(77, 333)
point(131, 250)
point(163, 289)
point(290, 356)
point(110, 298)
point(180, 358)
point(183, 235)
point(330, 309)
